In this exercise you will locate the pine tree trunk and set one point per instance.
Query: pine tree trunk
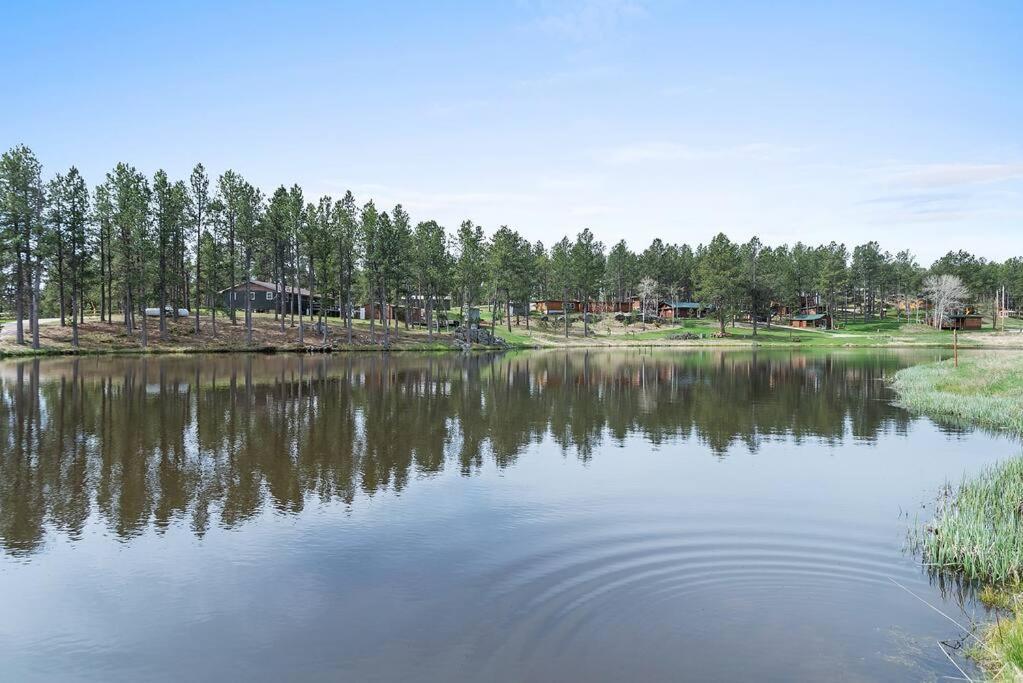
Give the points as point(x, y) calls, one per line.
point(348, 311)
point(429, 316)
point(408, 311)
point(60, 279)
point(248, 296)
point(145, 324)
point(35, 304)
point(102, 282)
point(564, 309)
point(383, 310)
point(74, 316)
point(198, 289)
point(110, 284)
point(585, 316)
point(163, 295)
point(19, 304)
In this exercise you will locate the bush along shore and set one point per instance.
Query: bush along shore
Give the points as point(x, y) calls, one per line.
point(977, 530)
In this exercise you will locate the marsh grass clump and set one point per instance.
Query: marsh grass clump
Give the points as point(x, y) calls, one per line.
point(977, 534)
point(984, 390)
point(998, 598)
point(977, 530)
point(1000, 648)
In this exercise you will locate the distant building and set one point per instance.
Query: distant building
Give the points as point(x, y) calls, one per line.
point(808, 304)
point(263, 296)
point(609, 306)
point(555, 306)
point(963, 321)
point(810, 320)
point(416, 310)
point(680, 309)
point(371, 309)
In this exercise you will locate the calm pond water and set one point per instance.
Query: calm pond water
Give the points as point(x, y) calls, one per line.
point(599, 516)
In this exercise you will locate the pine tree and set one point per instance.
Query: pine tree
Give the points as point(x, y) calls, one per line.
point(199, 186)
point(717, 273)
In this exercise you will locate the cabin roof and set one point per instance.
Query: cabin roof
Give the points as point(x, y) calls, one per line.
point(267, 286)
point(683, 304)
point(809, 316)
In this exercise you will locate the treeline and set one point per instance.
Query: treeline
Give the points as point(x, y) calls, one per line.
point(133, 242)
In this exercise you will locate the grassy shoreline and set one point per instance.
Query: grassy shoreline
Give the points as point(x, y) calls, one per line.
point(977, 529)
point(984, 390)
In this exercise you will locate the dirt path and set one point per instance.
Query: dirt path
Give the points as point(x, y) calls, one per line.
point(9, 329)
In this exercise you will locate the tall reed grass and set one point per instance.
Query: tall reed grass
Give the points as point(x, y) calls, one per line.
point(984, 390)
point(977, 530)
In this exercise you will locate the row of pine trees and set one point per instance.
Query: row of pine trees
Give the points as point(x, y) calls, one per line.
point(132, 242)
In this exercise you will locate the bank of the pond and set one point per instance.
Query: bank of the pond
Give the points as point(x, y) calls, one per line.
point(985, 389)
point(98, 337)
point(977, 529)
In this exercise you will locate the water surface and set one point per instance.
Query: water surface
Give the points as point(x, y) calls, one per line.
point(655, 515)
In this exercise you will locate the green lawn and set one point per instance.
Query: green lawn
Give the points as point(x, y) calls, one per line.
point(889, 332)
point(781, 335)
point(516, 337)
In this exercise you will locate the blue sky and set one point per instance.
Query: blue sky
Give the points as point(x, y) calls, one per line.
point(899, 122)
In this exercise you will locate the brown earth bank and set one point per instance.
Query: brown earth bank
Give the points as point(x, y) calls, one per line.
point(97, 337)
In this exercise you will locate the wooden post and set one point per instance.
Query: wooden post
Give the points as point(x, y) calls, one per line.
point(955, 346)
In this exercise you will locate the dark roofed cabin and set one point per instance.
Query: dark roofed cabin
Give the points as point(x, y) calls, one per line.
point(264, 297)
point(810, 320)
point(963, 321)
point(680, 309)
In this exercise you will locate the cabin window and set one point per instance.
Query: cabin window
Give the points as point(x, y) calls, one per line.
point(252, 296)
point(269, 296)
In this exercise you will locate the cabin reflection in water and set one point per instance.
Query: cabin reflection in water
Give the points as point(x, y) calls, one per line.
point(147, 442)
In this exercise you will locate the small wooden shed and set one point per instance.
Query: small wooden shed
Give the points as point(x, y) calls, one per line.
point(963, 321)
point(810, 320)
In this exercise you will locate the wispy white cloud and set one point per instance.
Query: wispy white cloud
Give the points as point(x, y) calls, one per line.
point(949, 175)
point(585, 21)
point(662, 151)
point(590, 210)
point(576, 76)
point(916, 200)
point(646, 151)
point(566, 182)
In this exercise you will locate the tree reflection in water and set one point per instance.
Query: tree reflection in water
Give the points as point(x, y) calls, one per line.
point(207, 440)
